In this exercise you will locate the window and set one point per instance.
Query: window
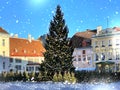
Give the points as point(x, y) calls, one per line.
point(117, 56)
point(3, 54)
point(18, 67)
point(37, 68)
point(117, 42)
point(89, 58)
point(79, 58)
point(30, 68)
point(3, 42)
point(3, 65)
point(103, 56)
point(103, 44)
point(109, 43)
point(96, 57)
point(83, 52)
point(11, 60)
point(96, 43)
point(117, 67)
point(84, 58)
point(30, 62)
point(18, 60)
point(110, 55)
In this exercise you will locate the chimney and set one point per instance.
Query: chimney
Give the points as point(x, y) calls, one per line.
point(99, 28)
point(32, 38)
point(15, 36)
point(29, 38)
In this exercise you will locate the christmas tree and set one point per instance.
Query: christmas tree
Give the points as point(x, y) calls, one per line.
point(58, 55)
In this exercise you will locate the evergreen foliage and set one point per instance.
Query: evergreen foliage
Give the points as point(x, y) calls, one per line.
point(4, 76)
point(69, 77)
point(39, 77)
point(55, 77)
point(60, 77)
point(73, 79)
point(25, 76)
point(10, 76)
point(80, 76)
point(58, 55)
point(65, 77)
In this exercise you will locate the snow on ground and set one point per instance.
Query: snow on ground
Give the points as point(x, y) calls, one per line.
point(58, 86)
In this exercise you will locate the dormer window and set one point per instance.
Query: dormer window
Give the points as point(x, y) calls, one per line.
point(34, 51)
point(16, 50)
point(24, 51)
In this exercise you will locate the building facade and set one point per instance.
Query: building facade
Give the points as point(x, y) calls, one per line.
point(106, 49)
point(4, 50)
point(25, 54)
point(82, 55)
point(83, 58)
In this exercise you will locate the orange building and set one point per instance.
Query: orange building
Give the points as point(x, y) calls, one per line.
point(25, 54)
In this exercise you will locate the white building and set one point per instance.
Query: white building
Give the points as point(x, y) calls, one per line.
point(82, 54)
point(106, 49)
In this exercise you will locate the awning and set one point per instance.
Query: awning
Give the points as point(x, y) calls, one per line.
point(106, 62)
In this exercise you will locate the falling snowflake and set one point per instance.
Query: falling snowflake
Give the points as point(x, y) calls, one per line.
point(17, 21)
point(52, 12)
point(116, 12)
point(77, 29)
point(81, 21)
point(7, 2)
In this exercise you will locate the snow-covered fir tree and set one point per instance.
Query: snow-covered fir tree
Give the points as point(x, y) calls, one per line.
point(58, 55)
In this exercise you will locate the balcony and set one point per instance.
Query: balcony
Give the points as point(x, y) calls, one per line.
point(110, 45)
point(117, 58)
point(96, 46)
point(110, 59)
point(117, 44)
point(103, 45)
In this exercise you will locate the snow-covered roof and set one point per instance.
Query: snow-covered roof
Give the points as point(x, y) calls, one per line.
point(85, 69)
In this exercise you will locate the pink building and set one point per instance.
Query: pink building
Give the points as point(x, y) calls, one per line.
point(82, 55)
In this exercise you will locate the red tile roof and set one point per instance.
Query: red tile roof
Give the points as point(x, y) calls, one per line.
point(23, 47)
point(117, 28)
point(3, 31)
point(86, 34)
point(77, 39)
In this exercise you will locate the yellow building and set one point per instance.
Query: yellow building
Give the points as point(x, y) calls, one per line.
point(20, 54)
point(4, 50)
point(106, 49)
